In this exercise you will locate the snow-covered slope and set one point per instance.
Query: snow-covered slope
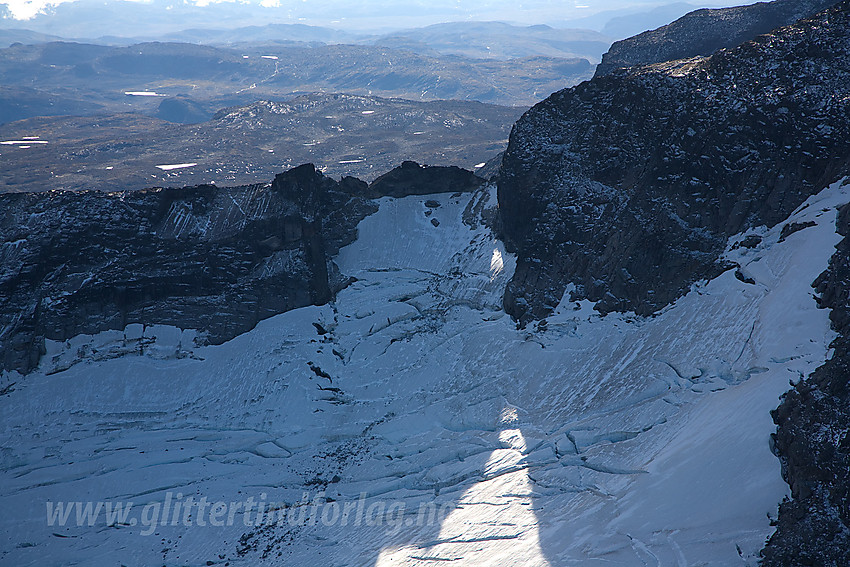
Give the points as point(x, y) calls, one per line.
point(596, 441)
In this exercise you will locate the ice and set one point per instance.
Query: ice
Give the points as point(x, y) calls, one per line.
point(614, 440)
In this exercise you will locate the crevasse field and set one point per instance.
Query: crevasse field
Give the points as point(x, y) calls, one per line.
point(590, 441)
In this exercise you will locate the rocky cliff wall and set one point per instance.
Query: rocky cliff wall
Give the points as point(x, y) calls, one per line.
point(628, 186)
point(213, 259)
point(702, 32)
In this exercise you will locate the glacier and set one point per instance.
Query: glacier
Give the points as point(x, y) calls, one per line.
point(589, 440)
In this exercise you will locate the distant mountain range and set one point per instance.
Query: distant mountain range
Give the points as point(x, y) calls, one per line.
point(488, 40)
point(152, 18)
point(126, 23)
point(627, 25)
point(500, 41)
point(71, 78)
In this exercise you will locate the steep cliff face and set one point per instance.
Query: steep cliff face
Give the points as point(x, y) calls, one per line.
point(200, 257)
point(703, 32)
point(813, 440)
point(628, 186)
point(217, 260)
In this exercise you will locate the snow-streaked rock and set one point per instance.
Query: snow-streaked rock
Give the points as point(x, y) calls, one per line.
point(629, 185)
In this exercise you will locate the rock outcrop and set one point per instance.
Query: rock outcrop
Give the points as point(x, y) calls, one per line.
point(410, 178)
point(813, 440)
point(628, 186)
point(218, 260)
point(702, 32)
point(209, 258)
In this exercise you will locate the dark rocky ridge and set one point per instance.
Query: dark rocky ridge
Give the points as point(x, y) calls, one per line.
point(410, 178)
point(702, 32)
point(813, 439)
point(629, 185)
point(218, 260)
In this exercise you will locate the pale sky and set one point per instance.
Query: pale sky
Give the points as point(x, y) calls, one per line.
point(325, 12)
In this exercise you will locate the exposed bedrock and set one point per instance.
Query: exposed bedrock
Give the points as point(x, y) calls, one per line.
point(702, 32)
point(628, 186)
point(214, 259)
point(813, 440)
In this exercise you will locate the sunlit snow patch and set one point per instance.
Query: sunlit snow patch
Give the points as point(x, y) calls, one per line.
point(142, 93)
point(496, 263)
point(176, 166)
